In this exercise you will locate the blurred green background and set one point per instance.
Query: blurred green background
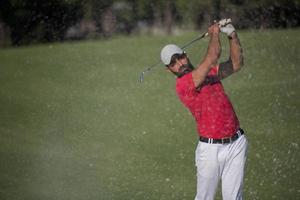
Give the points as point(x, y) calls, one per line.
point(76, 124)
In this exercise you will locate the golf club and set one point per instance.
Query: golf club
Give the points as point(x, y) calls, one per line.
point(223, 22)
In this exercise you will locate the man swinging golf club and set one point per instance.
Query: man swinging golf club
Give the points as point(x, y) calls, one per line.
point(222, 147)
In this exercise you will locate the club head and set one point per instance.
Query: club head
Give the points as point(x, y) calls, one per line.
point(141, 79)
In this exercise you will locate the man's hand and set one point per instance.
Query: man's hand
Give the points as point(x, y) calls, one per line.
point(214, 29)
point(236, 59)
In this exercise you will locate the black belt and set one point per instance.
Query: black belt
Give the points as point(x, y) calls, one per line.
point(238, 134)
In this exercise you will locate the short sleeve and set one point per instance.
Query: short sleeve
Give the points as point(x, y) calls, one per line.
point(214, 71)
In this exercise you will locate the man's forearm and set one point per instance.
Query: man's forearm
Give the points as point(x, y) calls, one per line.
point(211, 57)
point(236, 52)
point(214, 49)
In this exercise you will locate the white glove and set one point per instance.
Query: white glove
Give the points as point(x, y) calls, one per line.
point(226, 26)
point(224, 22)
point(228, 29)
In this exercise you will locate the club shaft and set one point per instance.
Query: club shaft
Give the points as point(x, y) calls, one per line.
point(194, 40)
point(186, 45)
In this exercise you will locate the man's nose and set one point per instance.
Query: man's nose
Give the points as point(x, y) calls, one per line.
point(178, 62)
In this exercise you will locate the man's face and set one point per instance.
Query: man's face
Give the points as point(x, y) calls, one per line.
point(180, 65)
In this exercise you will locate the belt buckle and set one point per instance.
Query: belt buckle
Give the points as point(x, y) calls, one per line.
point(223, 140)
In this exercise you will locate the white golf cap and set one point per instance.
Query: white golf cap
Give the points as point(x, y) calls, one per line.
point(168, 51)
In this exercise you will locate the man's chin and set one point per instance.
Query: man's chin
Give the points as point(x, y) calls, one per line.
point(186, 70)
point(183, 72)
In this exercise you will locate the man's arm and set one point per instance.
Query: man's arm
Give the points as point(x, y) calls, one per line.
point(212, 55)
point(236, 60)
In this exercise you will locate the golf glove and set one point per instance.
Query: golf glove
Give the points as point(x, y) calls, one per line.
point(228, 29)
point(224, 22)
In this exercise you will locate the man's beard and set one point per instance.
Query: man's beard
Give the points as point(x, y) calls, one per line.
point(184, 69)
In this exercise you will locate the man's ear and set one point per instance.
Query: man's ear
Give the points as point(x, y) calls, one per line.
point(168, 70)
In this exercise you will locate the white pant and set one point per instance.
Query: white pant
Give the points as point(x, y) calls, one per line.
point(223, 162)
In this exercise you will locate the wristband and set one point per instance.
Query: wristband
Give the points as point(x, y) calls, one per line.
point(230, 37)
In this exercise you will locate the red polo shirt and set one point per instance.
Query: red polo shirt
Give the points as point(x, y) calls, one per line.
point(209, 105)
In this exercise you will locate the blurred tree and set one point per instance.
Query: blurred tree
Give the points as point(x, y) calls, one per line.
point(271, 14)
point(168, 15)
point(194, 13)
point(41, 21)
point(151, 12)
point(126, 18)
point(216, 8)
point(112, 16)
point(102, 15)
point(157, 13)
point(4, 34)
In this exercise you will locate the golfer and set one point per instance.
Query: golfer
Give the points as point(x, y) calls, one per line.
point(222, 147)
